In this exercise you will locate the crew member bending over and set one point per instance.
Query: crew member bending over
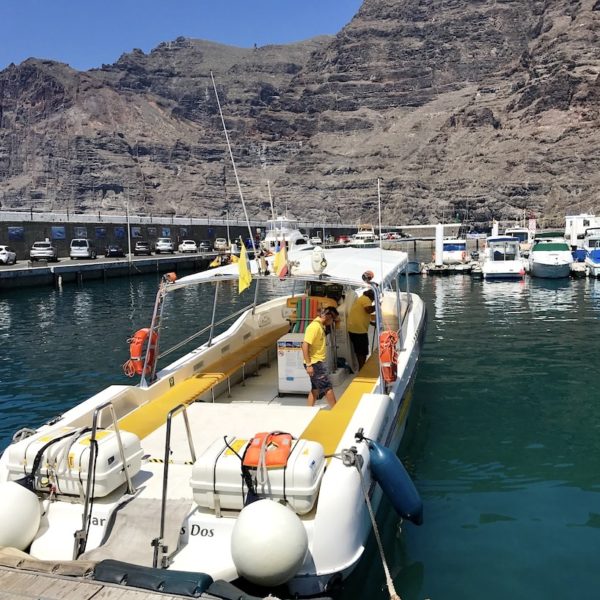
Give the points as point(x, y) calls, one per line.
point(359, 320)
point(314, 351)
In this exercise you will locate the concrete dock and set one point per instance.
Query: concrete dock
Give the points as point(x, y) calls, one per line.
point(26, 273)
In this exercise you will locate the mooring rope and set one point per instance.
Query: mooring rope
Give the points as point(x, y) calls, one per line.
point(388, 578)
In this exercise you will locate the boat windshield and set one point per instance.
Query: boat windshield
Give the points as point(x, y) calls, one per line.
point(455, 247)
point(281, 224)
point(506, 251)
point(522, 236)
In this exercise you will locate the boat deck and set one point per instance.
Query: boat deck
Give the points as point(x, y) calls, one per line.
point(253, 406)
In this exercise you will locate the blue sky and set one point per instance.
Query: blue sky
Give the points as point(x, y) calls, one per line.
point(87, 33)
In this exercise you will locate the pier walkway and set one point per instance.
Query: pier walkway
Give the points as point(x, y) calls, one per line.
point(26, 273)
point(16, 584)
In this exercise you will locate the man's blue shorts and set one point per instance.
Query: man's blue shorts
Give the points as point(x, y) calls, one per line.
point(319, 380)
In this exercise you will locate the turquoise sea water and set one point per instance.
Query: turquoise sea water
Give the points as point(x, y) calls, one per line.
point(504, 436)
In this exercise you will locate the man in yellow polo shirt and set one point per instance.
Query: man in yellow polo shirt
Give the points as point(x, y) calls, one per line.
point(359, 320)
point(314, 351)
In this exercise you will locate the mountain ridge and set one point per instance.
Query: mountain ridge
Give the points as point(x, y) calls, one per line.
point(478, 110)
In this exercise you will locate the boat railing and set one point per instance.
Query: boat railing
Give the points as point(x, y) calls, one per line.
point(202, 331)
point(81, 535)
point(409, 302)
point(159, 546)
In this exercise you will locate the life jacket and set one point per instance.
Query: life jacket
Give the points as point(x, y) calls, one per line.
point(277, 448)
point(388, 355)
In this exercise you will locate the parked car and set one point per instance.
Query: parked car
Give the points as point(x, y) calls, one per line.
point(142, 247)
point(7, 255)
point(164, 244)
point(315, 240)
point(113, 250)
point(81, 248)
point(205, 245)
point(188, 246)
point(221, 244)
point(43, 250)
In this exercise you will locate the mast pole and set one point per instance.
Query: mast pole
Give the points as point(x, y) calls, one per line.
point(237, 179)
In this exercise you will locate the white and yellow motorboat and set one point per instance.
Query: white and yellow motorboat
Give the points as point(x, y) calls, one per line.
point(214, 464)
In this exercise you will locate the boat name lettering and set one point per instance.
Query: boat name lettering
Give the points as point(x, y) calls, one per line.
point(197, 530)
point(97, 521)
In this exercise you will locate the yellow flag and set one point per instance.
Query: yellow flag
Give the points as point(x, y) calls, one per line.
point(244, 270)
point(280, 262)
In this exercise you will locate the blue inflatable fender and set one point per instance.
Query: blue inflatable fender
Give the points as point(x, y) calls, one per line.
point(389, 472)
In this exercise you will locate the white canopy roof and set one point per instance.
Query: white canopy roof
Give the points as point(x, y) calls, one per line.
point(344, 265)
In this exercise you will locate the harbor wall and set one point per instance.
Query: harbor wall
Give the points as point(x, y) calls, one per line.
point(21, 229)
point(20, 235)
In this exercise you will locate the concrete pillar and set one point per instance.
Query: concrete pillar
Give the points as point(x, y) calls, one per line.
point(439, 245)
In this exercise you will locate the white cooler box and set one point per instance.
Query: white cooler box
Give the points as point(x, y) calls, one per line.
point(217, 473)
point(65, 463)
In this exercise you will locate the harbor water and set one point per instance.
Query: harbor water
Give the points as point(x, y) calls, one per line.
point(503, 445)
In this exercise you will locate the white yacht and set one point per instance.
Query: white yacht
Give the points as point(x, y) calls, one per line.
point(365, 237)
point(550, 256)
point(213, 467)
point(283, 229)
point(501, 259)
point(525, 237)
point(454, 251)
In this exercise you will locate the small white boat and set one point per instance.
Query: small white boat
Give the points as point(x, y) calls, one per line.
point(414, 267)
point(550, 257)
point(525, 237)
point(455, 251)
point(365, 237)
point(591, 246)
point(502, 259)
point(163, 475)
point(283, 229)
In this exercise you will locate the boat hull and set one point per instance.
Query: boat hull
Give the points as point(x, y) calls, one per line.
point(335, 557)
point(550, 270)
point(593, 267)
point(503, 276)
point(510, 269)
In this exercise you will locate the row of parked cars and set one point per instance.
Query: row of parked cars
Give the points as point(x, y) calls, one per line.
point(84, 248)
point(166, 245)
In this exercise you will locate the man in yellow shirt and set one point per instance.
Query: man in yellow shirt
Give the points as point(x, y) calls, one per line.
point(359, 320)
point(314, 351)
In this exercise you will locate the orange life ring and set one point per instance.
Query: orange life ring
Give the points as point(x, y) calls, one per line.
point(388, 355)
point(277, 449)
point(135, 364)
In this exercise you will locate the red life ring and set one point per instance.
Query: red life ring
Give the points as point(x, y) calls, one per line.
point(388, 355)
point(135, 364)
point(277, 449)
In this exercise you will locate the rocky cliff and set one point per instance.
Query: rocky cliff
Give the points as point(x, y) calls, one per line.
point(478, 108)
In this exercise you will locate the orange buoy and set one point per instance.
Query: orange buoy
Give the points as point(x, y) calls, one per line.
point(388, 355)
point(135, 364)
point(277, 449)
